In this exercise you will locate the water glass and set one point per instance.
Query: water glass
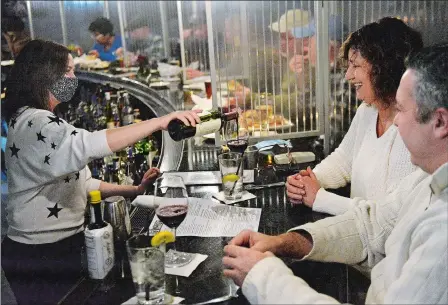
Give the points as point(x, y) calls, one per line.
point(148, 269)
point(231, 174)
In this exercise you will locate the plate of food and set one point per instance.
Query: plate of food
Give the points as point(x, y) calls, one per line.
point(255, 117)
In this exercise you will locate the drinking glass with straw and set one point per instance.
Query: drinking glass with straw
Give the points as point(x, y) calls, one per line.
point(231, 174)
point(147, 259)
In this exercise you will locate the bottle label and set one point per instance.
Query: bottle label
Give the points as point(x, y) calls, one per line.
point(207, 127)
point(100, 251)
point(128, 119)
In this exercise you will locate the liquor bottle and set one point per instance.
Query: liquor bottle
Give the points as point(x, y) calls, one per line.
point(155, 74)
point(99, 240)
point(143, 72)
point(131, 170)
point(127, 113)
point(137, 118)
point(210, 122)
point(110, 123)
point(152, 151)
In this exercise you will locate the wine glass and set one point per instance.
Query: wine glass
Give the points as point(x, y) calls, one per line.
point(171, 199)
point(236, 134)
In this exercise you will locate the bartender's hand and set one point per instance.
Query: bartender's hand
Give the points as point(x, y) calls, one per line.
point(256, 241)
point(239, 261)
point(189, 118)
point(148, 178)
point(94, 53)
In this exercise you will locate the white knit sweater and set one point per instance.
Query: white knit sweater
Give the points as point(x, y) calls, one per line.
point(374, 166)
point(403, 237)
point(48, 177)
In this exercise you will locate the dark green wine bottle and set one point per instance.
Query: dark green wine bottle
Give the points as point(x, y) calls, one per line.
point(211, 122)
point(96, 220)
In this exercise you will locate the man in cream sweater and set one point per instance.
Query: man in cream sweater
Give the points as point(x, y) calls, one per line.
point(404, 236)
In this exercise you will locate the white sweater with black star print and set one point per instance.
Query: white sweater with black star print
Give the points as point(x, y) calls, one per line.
point(48, 177)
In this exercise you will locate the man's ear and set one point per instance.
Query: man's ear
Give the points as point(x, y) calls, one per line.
point(440, 118)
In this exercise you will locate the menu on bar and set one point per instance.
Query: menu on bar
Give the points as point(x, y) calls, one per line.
point(206, 218)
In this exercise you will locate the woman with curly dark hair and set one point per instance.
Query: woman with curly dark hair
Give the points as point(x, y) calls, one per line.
point(372, 156)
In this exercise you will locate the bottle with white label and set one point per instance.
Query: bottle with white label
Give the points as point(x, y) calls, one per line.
point(99, 240)
point(210, 122)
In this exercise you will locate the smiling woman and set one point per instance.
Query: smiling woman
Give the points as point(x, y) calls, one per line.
point(372, 156)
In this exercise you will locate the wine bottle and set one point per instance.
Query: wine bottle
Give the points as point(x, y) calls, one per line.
point(110, 123)
point(99, 240)
point(127, 112)
point(96, 221)
point(210, 122)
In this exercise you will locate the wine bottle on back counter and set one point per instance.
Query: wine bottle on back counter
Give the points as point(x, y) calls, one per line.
point(211, 122)
point(99, 240)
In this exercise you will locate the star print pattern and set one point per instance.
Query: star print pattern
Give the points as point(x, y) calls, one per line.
point(14, 150)
point(40, 137)
point(47, 159)
point(32, 144)
point(13, 122)
point(54, 211)
point(55, 119)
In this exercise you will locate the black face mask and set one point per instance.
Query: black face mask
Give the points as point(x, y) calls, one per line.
point(64, 89)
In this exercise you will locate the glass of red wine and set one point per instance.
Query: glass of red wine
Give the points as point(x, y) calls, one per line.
point(171, 199)
point(236, 135)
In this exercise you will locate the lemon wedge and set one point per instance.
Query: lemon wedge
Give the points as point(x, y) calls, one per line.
point(163, 237)
point(230, 178)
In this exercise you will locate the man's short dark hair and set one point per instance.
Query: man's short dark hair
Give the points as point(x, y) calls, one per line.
point(12, 24)
point(102, 25)
point(431, 87)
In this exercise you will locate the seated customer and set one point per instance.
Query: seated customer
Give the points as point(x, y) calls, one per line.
point(372, 155)
point(404, 237)
point(107, 46)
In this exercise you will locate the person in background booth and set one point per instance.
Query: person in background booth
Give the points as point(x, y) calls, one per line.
point(48, 176)
point(107, 46)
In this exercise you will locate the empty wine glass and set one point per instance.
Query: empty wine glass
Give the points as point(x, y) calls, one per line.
point(171, 199)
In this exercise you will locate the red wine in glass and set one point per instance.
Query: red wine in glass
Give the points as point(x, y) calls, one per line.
point(172, 215)
point(237, 146)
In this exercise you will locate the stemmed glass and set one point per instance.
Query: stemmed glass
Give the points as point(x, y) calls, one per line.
point(236, 135)
point(171, 199)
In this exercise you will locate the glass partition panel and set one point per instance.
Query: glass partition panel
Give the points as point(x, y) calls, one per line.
point(79, 15)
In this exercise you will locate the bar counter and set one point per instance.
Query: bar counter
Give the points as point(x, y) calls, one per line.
point(206, 284)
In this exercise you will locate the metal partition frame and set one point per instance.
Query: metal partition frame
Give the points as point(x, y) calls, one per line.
point(321, 9)
point(30, 18)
